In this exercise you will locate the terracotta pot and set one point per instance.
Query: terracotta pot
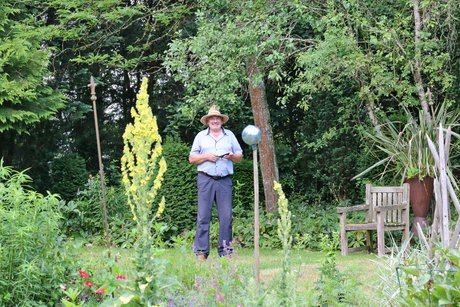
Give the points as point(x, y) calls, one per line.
point(421, 192)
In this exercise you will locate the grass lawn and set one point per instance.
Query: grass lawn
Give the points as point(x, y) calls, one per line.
point(305, 264)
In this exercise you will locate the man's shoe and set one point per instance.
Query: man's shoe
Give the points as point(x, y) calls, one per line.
point(201, 257)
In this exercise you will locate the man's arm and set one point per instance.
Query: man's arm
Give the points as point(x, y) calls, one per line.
point(234, 157)
point(200, 158)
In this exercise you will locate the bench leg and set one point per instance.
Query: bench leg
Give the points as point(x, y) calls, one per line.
point(380, 236)
point(369, 241)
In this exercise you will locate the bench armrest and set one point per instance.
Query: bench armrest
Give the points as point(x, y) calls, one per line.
point(352, 208)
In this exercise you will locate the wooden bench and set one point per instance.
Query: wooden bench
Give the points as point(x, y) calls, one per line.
point(387, 209)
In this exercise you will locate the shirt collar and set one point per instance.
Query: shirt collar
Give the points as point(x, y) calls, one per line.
point(223, 131)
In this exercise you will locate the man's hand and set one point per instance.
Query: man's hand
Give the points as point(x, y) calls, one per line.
point(213, 157)
point(234, 157)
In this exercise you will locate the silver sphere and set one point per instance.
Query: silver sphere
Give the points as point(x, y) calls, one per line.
point(251, 135)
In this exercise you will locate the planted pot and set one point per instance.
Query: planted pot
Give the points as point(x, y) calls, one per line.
point(421, 192)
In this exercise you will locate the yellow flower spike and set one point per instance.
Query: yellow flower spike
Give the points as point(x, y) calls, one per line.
point(161, 208)
point(143, 169)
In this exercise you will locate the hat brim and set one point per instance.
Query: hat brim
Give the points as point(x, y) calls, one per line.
point(204, 119)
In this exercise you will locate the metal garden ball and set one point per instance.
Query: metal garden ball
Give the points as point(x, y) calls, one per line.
point(251, 135)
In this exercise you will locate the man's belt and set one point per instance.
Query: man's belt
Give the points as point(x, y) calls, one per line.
point(214, 177)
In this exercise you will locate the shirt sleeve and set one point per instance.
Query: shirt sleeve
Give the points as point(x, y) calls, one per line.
point(236, 145)
point(196, 147)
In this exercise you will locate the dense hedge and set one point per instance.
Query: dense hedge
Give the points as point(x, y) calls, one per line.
point(179, 187)
point(68, 175)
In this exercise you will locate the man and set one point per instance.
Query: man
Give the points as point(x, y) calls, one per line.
point(214, 150)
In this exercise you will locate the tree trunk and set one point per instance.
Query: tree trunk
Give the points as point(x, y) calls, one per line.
point(7, 145)
point(269, 168)
point(370, 106)
point(417, 67)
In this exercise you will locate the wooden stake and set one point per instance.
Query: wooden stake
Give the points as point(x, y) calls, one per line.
point(256, 217)
point(444, 197)
point(92, 86)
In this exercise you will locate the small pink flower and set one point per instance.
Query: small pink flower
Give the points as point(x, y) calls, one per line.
point(120, 277)
point(89, 284)
point(220, 297)
point(84, 274)
point(100, 291)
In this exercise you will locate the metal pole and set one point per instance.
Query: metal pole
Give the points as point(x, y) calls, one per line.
point(256, 217)
point(92, 86)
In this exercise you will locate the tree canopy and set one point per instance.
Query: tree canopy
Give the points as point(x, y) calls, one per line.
point(314, 75)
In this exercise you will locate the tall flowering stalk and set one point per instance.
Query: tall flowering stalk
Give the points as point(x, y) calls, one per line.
point(284, 234)
point(143, 167)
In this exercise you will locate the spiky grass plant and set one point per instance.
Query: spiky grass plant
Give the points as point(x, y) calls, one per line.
point(402, 146)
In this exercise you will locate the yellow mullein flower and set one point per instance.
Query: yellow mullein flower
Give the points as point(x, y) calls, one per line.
point(142, 160)
point(161, 208)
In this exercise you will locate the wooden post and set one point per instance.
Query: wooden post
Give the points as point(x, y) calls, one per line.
point(256, 217)
point(445, 202)
point(92, 86)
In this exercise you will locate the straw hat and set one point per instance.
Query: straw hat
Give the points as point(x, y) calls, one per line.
point(214, 111)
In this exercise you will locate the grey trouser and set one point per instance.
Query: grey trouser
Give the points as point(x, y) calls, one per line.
point(220, 190)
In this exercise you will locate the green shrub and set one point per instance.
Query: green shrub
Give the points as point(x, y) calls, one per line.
point(68, 175)
point(433, 282)
point(83, 216)
point(334, 288)
point(30, 262)
point(179, 188)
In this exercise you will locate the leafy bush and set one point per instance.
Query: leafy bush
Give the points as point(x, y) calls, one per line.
point(83, 216)
point(333, 287)
point(179, 187)
point(431, 283)
point(30, 261)
point(68, 175)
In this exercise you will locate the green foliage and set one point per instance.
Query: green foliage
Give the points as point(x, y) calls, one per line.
point(318, 156)
point(377, 53)
point(68, 175)
point(333, 287)
point(405, 145)
point(83, 217)
point(214, 283)
point(311, 223)
point(25, 96)
point(230, 36)
point(433, 283)
point(30, 260)
point(179, 187)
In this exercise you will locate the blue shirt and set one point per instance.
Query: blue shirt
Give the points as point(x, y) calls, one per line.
point(204, 143)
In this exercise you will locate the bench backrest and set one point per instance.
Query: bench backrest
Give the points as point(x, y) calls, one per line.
point(387, 196)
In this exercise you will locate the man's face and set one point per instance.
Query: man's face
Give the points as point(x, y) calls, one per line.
point(215, 122)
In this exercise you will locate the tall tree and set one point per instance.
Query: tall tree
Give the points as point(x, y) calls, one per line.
point(118, 42)
point(25, 95)
point(396, 53)
point(237, 44)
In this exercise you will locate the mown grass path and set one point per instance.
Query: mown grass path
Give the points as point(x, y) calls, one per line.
point(304, 264)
